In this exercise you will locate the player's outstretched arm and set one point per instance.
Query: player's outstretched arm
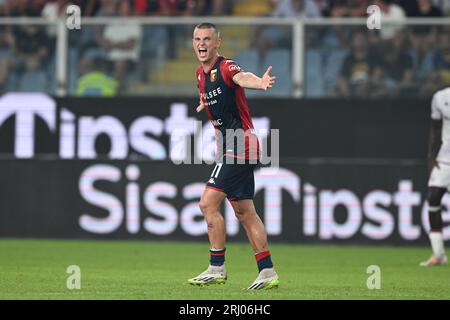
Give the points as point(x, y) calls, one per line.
point(251, 81)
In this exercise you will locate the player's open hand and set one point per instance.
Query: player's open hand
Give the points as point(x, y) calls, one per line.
point(200, 107)
point(267, 81)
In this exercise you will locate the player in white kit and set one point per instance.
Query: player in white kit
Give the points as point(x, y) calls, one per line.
point(439, 166)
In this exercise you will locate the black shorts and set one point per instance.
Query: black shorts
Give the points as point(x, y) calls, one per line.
point(235, 180)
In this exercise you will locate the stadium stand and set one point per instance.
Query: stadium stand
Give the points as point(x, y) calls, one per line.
point(165, 57)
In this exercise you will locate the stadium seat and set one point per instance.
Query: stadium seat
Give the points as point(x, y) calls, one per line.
point(248, 59)
point(33, 81)
point(280, 60)
point(154, 39)
point(11, 82)
point(333, 64)
point(314, 82)
point(423, 68)
point(72, 72)
point(51, 73)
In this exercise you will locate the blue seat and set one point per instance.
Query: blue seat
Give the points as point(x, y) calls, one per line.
point(154, 40)
point(92, 92)
point(87, 36)
point(248, 59)
point(333, 65)
point(280, 60)
point(51, 74)
point(33, 81)
point(314, 82)
point(72, 71)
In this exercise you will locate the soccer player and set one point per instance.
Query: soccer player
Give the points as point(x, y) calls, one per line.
point(439, 166)
point(221, 84)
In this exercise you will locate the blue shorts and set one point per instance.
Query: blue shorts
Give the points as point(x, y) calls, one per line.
point(235, 180)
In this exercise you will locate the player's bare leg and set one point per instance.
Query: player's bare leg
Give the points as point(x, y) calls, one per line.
point(435, 218)
point(209, 205)
point(246, 214)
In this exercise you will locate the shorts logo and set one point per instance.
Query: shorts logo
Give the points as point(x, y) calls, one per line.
point(212, 181)
point(213, 75)
point(234, 67)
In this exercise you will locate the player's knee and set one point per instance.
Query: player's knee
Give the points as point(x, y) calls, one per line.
point(203, 205)
point(242, 215)
point(239, 215)
point(206, 207)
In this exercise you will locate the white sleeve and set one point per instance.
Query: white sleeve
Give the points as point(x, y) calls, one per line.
point(435, 111)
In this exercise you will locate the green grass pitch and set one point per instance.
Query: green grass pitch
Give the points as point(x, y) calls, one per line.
point(36, 269)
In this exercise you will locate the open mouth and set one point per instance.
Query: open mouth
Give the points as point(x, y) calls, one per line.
point(202, 52)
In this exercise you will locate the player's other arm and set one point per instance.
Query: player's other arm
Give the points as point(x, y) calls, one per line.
point(201, 105)
point(434, 144)
point(251, 81)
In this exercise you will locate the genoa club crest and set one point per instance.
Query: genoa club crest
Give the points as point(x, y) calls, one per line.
point(213, 75)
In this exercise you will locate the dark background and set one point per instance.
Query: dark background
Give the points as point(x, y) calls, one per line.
point(360, 145)
point(377, 129)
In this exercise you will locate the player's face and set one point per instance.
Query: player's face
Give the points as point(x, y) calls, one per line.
point(205, 43)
